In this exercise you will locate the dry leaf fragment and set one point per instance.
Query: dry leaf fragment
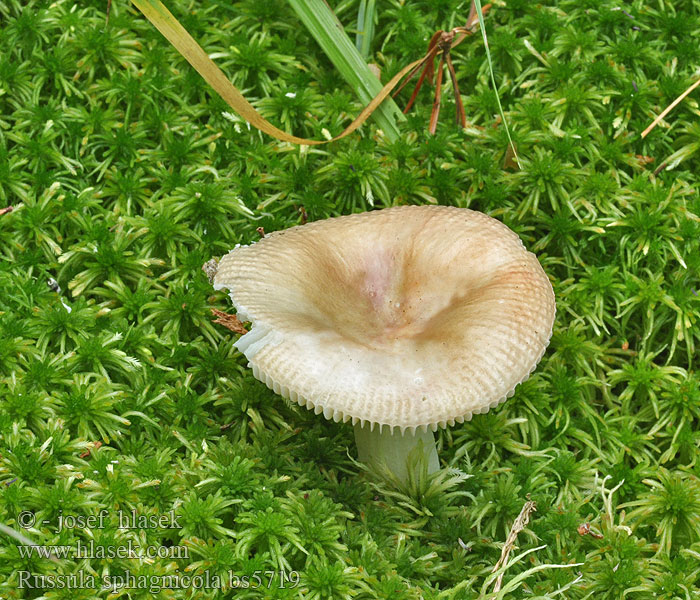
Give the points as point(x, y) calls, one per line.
point(304, 216)
point(210, 268)
point(519, 524)
point(229, 321)
point(585, 529)
point(509, 162)
point(95, 446)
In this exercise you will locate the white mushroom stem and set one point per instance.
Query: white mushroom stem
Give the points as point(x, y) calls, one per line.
point(380, 446)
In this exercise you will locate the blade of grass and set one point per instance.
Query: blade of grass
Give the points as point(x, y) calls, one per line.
point(23, 539)
point(177, 35)
point(482, 26)
point(365, 27)
point(323, 25)
point(379, 105)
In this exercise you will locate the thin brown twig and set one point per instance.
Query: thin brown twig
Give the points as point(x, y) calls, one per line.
point(440, 44)
point(435, 112)
point(669, 108)
point(428, 68)
point(461, 113)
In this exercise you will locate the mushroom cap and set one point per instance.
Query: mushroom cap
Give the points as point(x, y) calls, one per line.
point(413, 316)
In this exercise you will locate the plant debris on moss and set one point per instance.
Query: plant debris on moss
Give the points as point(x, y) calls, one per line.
point(121, 174)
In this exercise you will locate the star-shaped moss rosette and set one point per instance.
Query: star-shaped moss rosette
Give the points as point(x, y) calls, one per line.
point(401, 320)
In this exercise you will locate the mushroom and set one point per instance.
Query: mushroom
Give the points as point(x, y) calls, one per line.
point(399, 320)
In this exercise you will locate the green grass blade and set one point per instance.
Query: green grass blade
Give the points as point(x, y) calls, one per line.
point(323, 25)
point(365, 27)
point(482, 26)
